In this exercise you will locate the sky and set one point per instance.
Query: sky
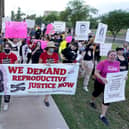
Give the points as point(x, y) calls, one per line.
point(39, 6)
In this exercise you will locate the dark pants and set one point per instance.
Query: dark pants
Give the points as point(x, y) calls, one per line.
point(6, 98)
point(98, 89)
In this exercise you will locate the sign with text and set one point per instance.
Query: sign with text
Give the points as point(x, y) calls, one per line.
point(4, 20)
point(59, 26)
point(127, 36)
point(16, 30)
point(101, 33)
point(105, 48)
point(82, 30)
point(115, 87)
point(39, 79)
point(30, 23)
point(50, 29)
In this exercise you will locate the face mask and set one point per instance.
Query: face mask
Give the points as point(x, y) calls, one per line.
point(51, 50)
point(7, 51)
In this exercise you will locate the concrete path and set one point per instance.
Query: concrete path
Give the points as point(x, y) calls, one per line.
point(30, 113)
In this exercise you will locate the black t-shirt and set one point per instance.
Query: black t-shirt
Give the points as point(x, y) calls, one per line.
point(89, 53)
point(70, 55)
point(35, 57)
point(97, 54)
point(123, 63)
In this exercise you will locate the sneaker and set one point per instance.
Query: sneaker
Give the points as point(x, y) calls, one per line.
point(47, 104)
point(85, 89)
point(104, 120)
point(93, 105)
point(5, 107)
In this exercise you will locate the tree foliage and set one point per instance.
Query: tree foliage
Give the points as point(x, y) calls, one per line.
point(116, 20)
point(18, 16)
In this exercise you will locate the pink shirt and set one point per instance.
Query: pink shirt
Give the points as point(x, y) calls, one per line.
point(107, 66)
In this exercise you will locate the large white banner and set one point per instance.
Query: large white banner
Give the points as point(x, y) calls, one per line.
point(30, 23)
point(59, 26)
point(101, 33)
point(105, 48)
point(38, 79)
point(127, 36)
point(4, 20)
point(82, 30)
point(115, 87)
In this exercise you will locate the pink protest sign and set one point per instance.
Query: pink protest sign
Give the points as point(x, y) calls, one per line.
point(50, 29)
point(16, 30)
point(43, 43)
point(68, 39)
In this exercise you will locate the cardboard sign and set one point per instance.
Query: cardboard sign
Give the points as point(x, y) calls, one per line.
point(115, 88)
point(82, 30)
point(68, 39)
point(101, 33)
point(4, 20)
point(105, 48)
point(30, 23)
point(59, 26)
point(127, 36)
point(16, 30)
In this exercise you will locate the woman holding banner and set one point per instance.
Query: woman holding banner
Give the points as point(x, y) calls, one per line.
point(110, 65)
point(49, 57)
point(7, 57)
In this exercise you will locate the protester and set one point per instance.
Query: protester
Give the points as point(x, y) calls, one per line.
point(97, 58)
point(7, 57)
point(16, 43)
point(69, 54)
point(1, 43)
point(122, 59)
point(25, 53)
point(38, 33)
point(49, 57)
point(125, 47)
point(87, 63)
point(36, 53)
point(110, 65)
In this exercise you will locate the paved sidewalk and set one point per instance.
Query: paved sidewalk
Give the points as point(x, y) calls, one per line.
point(30, 113)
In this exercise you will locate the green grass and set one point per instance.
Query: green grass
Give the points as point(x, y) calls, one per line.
point(79, 115)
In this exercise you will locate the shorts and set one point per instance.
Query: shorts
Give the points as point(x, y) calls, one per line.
point(98, 89)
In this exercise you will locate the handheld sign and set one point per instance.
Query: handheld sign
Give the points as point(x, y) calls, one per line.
point(101, 33)
point(127, 36)
point(82, 30)
point(16, 30)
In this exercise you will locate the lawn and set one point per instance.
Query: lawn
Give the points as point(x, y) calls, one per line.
point(79, 115)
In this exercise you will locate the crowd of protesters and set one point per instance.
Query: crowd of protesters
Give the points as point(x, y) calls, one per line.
point(87, 53)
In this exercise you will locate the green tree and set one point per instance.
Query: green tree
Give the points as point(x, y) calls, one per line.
point(19, 15)
point(79, 11)
point(53, 16)
point(12, 16)
point(116, 20)
point(33, 16)
point(39, 20)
